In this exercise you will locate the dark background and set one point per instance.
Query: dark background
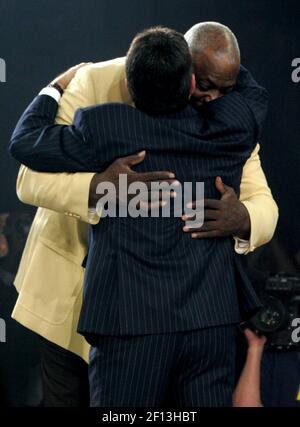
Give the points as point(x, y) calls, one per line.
point(41, 38)
point(38, 39)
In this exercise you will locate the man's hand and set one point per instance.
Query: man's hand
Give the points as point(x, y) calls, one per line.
point(255, 341)
point(124, 166)
point(224, 217)
point(64, 79)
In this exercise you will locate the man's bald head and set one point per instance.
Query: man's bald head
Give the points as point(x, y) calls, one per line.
point(216, 55)
point(213, 35)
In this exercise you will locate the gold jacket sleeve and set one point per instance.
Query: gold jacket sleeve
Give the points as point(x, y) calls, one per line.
point(257, 197)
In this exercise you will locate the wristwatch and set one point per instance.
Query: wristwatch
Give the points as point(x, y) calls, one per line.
point(57, 87)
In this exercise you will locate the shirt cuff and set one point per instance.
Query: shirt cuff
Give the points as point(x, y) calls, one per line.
point(241, 246)
point(93, 217)
point(51, 91)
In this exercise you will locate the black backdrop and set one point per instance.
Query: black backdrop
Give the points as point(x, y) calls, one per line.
point(40, 38)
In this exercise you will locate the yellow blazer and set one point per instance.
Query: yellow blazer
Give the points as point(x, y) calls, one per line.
point(50, 276)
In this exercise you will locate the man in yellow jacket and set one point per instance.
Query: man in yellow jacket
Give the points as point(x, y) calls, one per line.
point(50, 276)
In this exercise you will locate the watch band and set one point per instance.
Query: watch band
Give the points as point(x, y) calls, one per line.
point(57, 87)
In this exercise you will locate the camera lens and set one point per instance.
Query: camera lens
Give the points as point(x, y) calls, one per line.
point(271, 317)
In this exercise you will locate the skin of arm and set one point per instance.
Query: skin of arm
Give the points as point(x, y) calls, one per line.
point(247, 391)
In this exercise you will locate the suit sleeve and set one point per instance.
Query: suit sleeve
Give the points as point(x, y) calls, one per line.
point(46, 147)
point(257, 197)
point(255, 193)
point(42, 189)
point(255, 96)
point(244, 109)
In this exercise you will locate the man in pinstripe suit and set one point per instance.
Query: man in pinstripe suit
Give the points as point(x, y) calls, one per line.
point(161, 311)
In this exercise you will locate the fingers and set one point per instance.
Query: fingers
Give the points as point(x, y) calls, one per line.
point(264, 339)
point(65, 78)
point(255, 338)
point(134, 159)
point(147, 206)
point(249, 333)
point(209, 229)
point(158, 176)
point(163, 185)
point(221, 187)
point(208, 215)
point(161, 195)
point(208, 204)
point(73, 70)
point(207, 226)
point(154, 196)
point(205, 234)
point(212, 204)
point(153, 199)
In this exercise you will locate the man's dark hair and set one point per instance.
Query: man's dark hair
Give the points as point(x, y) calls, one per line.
point(159, 70)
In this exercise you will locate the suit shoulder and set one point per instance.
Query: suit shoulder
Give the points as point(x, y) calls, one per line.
point(115, 63)
point(107, 80)
point(113, 109)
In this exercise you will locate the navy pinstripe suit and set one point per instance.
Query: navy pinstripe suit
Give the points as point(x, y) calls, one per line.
point(144, 276)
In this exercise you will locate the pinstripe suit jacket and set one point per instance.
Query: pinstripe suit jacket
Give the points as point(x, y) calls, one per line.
point(144, 275)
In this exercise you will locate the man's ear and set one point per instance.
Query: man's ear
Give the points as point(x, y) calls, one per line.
point(193, 85)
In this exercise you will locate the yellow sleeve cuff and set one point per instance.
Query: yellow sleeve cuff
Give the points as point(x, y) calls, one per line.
point(77, 198)
point(241, 246)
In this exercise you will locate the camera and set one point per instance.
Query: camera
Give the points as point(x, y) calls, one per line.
point(281, 305)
